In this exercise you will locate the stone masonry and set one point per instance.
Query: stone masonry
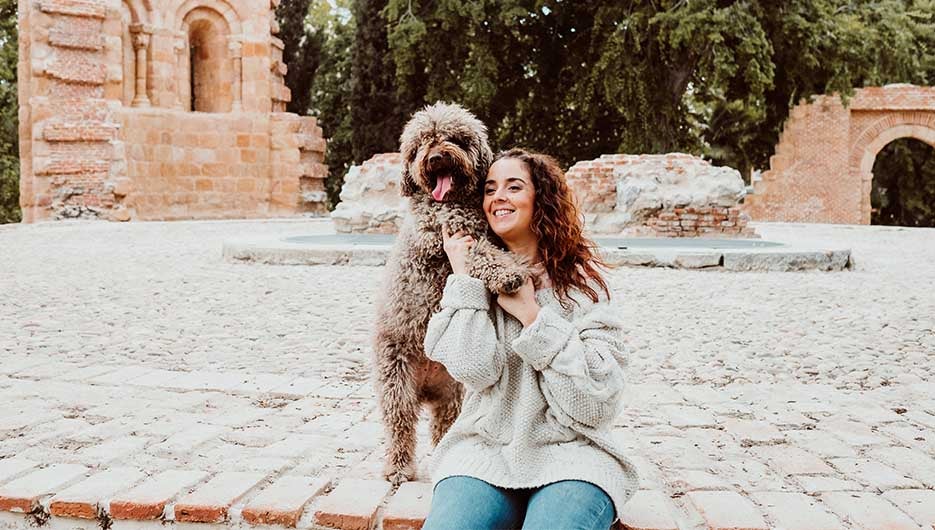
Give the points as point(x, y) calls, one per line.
point(822, 169)
point(160, 109)
point(673, 212)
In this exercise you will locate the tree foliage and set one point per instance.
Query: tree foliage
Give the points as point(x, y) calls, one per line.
point(904, 184)
point(9, 122)
point(302, 45)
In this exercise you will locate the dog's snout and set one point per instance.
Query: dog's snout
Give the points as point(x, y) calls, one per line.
point(435, 159)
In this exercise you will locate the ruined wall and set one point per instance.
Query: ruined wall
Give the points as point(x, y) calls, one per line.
point(821, 171)
point(682, 210)
point(160, 109)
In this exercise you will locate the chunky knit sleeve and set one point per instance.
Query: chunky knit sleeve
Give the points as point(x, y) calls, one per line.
point(461, 336)
point(580, 363)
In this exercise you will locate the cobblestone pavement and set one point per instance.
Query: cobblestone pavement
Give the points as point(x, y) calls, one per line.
point(757, 400)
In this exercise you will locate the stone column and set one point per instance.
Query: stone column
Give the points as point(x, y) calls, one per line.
point(181, 67)
point(236, 51)
point(141, 39)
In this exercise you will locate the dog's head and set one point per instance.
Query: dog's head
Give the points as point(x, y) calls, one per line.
point(445, 154)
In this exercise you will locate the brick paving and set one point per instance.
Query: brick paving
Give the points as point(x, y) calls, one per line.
point(145, 379)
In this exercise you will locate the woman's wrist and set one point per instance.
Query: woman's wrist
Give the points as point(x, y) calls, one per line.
point(530, 315)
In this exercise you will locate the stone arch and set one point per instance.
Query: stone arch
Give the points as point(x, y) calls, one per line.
point(822, 169)
point(210, 73)
point(230, 15)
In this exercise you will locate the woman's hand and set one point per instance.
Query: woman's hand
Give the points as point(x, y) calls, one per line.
point(457, 246)
point(521, 304)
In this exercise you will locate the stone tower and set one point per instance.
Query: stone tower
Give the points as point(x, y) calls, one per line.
point(160, 109)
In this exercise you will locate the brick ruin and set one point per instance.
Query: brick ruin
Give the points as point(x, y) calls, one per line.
point(595, 185)
point(160, 109)
point(822, 171)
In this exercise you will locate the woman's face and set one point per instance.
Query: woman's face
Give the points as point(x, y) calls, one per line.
point(509, 199)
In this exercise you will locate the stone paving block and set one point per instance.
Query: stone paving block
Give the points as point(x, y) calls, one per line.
point(795, 511)
point(752, 432)
point(408, 507)
point(27, 419)
point(919, 504)
point(672, 452)
point(297, 445)
point(83, 500)
point(682, 480)
point(748, 474)
point(873, 473)
point(820, 443)
point(210, 502)
point(120, 376)
point(911, 435)
point(854, 433)
point(871, 414)
point(11, 467)
point(20, 495)
point(352, 505)
point(727, 510)
point(186, 440)
point(685, 416)
point(86, 372)
point(791, 460)
point(820, 484)
point(868, 510)
point(921, 418)
point(282, 503)
point(648, 510)
point(148, 500)
point(113, 449)
point(912, 463)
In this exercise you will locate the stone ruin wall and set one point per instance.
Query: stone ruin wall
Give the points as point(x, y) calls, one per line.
point(594, 183)
point(160, 109)
point(370, 200)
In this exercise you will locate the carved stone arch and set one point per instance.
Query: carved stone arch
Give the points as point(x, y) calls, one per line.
point(231, 16)
point(210, 72)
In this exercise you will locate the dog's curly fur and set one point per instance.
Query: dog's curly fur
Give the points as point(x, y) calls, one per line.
point(442, 139)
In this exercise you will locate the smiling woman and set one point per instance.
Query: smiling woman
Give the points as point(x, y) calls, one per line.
point(542, 369)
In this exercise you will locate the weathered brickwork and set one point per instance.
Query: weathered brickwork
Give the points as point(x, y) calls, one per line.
point(822, 169)
point(594, 184)
point(160, 109)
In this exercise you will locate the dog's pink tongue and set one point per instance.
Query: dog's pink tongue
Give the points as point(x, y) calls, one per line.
point(442, 185)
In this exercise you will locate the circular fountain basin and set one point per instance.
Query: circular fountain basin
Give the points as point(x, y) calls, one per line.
point(684, 253)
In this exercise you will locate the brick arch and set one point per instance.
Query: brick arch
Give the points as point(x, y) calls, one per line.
point(822, 168)
point(224, 9)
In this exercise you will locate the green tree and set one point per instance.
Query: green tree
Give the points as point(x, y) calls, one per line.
point(9, 110)
point(904, 184)
point(301, 51)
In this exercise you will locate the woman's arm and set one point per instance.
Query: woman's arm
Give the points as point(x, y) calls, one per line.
point(461, 336)
point(580, 362)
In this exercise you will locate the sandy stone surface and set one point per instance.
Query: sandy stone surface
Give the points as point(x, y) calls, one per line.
point(137, 345)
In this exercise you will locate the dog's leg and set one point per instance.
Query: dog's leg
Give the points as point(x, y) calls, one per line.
point(445, 410)
point(500, 270)
point(399, 403)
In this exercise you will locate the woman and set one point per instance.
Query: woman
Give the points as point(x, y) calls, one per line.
point(542, 369)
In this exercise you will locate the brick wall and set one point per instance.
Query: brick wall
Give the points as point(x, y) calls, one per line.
point(822, 168)
point(105, 127)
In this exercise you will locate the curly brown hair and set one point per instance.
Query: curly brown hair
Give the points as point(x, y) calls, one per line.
point(570, 259)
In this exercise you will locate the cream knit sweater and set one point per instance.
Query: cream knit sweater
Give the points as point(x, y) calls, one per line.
point(540, 401)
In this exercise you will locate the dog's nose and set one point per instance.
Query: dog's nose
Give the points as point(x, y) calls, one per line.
point(435, 158)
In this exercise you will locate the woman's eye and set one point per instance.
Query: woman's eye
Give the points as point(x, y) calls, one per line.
point(488, 191)
point(514, 188)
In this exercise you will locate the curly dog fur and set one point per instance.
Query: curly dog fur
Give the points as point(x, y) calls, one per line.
point(445, 161)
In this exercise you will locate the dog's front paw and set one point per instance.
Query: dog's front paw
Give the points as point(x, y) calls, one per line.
point(398, 476)
point(509, 281)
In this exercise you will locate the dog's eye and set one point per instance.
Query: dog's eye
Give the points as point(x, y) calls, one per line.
point(459, 142)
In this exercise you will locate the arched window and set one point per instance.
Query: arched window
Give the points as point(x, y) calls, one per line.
point(210, 72)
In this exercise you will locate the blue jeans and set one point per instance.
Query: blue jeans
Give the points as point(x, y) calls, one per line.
point(471, 504)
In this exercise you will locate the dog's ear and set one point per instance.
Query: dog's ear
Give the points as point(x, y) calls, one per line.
point(407, 186)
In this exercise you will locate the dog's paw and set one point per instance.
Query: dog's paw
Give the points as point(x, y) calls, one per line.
point(397, 477)
point(509, 282)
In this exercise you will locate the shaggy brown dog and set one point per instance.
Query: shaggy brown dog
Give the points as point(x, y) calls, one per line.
point(445, 161)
